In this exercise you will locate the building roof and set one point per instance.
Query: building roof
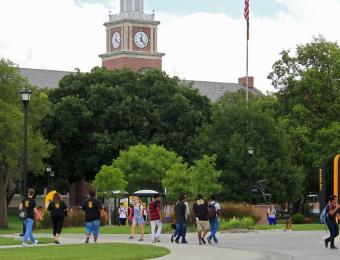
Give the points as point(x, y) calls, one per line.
point(43, 78)
point(50, 79)
point(215, 90)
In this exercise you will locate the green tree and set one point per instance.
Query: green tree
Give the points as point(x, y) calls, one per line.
point(200, 178)
point(110, 179)
point(234, 129)
point(204, 177)
point(177, 180)
point(11, 132)
point(308, 84)
point(97, 114)
point(145, 166)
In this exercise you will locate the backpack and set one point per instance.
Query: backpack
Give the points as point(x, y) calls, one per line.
point(211, 211)
point(323, 215)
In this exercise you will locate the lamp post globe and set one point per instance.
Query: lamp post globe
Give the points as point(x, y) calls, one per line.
point(251, 150)
point(25, 97)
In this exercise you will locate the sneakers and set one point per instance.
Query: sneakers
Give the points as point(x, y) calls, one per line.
point(141, 239)
point(131, 237)
point(172, 239)
point(158, 240)
point(56, 242)
point(24, 244)
point(209, 240)
point(203, 241)
point(35, 243)
point(87, 240)
point(184, 242)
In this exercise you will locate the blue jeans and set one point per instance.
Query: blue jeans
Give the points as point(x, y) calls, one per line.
point(213, 229)
point(93, 227)
point(181, 230)
point(29, 234)
point(272, 221)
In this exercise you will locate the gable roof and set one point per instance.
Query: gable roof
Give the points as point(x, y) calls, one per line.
point(213, 90)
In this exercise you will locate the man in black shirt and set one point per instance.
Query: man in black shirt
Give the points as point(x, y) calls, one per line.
point(29, 207)
point(201, 212)
point(181, 222)
point(92, 208)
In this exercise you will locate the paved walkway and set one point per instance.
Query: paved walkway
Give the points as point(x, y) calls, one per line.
point(259, 245)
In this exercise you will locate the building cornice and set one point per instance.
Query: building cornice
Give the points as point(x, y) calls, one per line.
point(132, 54)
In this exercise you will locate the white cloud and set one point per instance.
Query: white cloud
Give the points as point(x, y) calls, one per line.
point(63, 35)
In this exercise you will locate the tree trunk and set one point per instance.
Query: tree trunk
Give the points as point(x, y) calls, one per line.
point(3, 200)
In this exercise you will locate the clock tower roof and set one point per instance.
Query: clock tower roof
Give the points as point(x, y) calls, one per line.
point(132, 10)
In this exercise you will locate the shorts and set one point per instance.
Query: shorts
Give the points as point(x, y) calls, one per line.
point(93, 227)
point(202, 225)
point(139, 220)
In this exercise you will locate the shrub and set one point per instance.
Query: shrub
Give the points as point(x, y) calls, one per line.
point(298, 218)
point(241, 223)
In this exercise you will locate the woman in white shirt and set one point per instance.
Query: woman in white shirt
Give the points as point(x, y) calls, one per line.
point(271, 214)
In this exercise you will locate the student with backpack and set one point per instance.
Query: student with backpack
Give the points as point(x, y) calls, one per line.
point(332, 210)
point(214, 209)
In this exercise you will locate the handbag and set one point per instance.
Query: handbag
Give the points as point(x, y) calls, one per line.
point(23, 214)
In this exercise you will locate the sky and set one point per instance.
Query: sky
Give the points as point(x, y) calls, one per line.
point(202, 39)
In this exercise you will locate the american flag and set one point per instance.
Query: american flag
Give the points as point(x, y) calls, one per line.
point(246, 10)
point(246, 16)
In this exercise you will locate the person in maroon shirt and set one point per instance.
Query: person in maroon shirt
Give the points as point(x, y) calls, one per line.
point(155, 218)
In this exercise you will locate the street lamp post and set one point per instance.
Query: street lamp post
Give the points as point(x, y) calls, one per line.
point(48, 171)
point(25, 97)
point(52, 175)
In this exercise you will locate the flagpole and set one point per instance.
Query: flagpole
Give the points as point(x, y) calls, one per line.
point(247, 65)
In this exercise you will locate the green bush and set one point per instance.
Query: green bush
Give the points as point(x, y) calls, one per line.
point(298, 218)
point(239, 223)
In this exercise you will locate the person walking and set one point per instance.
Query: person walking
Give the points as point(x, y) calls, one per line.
point(332, 211)
point(271, 215)
point(93, 211)
point(287, 214)
point(168, 211)
point(214, 210)
point(122, 211)
point(58, 209)
point(200, 208)
point(138, 219)
point(155, 219)
point(180, 221)
point(29, 207)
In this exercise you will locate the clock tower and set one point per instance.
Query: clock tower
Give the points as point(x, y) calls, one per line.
point(131, 38)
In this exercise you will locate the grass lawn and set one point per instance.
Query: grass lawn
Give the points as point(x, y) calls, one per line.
point(296, 227)
point(6, 241)
point(92, 251)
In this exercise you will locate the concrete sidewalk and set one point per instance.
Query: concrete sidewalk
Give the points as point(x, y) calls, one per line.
point(178, 251)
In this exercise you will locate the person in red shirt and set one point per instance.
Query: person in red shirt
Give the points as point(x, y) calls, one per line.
point(155, 218)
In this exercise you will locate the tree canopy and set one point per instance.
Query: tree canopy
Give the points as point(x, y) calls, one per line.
point(236, 128)
point(308, 84)
point(11, 132)
point(97, 114)
point(145, 166)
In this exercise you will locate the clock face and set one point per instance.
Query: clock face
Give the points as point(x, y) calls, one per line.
point(141, 39)
point(116, 40)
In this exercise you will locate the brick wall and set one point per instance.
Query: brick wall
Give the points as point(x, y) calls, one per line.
point(133, 63)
